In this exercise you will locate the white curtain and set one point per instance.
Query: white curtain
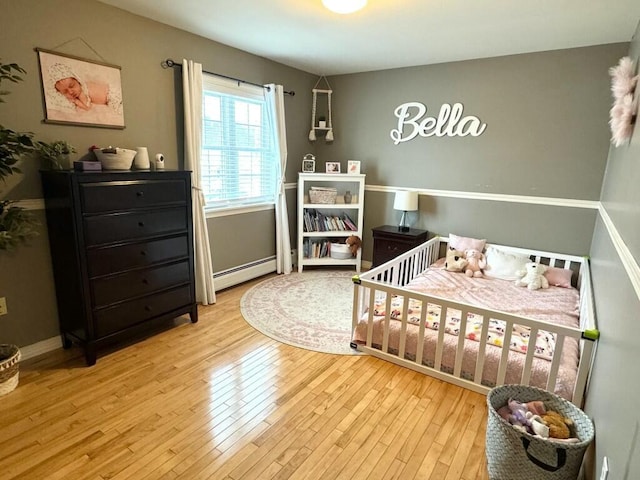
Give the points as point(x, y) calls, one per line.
point(192, 94)
point(275, 103)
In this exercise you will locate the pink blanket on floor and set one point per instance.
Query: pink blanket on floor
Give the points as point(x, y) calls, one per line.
point(555, 305)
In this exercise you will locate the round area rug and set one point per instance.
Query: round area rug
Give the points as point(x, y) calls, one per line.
point(309, 310)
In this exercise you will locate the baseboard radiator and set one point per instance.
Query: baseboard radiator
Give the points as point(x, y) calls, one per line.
point(243, 273)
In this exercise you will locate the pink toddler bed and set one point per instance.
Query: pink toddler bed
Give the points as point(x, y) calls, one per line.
point(398, 311)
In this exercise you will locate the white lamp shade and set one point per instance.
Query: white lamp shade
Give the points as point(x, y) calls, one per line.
point(344, 6)
point(406, 201)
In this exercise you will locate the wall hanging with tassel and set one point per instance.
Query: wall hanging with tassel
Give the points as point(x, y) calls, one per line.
point(321, 125)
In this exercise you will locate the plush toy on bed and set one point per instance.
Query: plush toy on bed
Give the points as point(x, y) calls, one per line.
point(475, 263)
point(455, 261)
point(354, 244)
point(533, 277)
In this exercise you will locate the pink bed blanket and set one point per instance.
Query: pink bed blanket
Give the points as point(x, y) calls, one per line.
point(555, 305)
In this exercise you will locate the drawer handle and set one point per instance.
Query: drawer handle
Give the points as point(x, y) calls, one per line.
point(148, 308)
point(141, 224)
point(145, 281)
point(140, 194)
point(143, 253)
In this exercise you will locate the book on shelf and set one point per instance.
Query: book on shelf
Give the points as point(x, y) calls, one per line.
point(350, 224)
point(316, 248)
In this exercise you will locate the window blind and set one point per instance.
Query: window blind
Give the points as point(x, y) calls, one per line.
point(238, 151)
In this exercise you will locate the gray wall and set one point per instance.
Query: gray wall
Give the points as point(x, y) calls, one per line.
point(614, 385)
point(152, 108)
point(546, 136)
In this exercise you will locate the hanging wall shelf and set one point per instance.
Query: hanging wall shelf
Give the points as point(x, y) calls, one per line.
point(319, 124)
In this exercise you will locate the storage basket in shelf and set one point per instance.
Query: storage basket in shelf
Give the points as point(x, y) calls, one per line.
point(514, 454)
point(9, 361)
point(340, 251)
point(322, 196)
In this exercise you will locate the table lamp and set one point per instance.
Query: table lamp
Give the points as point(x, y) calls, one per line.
point(407, 201)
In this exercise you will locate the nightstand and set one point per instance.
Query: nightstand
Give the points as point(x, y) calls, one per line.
point(388, 242)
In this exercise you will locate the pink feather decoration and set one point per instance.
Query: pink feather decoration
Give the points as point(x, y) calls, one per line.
point(623, 79)
point(623, 111)
point(622, 119)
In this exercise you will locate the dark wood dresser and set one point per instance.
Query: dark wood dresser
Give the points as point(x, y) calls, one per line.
point(388, 242)
point(122, 252)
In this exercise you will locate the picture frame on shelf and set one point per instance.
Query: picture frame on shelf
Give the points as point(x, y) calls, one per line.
point(308, 163)
point(332, 167)
point(353, 166)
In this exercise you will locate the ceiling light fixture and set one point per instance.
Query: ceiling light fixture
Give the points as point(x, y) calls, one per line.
point(344, 6)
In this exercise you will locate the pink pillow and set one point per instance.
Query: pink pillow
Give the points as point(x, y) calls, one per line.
point(559, 277)
point(466, 243)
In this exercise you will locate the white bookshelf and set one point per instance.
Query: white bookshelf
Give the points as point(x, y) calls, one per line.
point(343, 182)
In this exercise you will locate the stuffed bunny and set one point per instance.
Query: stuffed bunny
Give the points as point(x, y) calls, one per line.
point(475, 263)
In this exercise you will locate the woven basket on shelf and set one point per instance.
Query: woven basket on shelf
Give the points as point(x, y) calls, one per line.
point(9, 360)
point(512, 454)
point(322, 196)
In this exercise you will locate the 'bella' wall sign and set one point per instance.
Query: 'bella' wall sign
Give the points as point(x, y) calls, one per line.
point(449, 122)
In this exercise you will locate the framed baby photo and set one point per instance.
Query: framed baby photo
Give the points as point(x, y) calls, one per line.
point(332, 167)
point(353, 166)
point(77, 91)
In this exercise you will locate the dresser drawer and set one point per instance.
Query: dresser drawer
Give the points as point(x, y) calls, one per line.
point(135, 283)
point(113, 196)
point(102, 261)
point(113, 319)
point(110, 228)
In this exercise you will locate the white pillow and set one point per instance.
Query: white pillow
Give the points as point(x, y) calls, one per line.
point(504, 265)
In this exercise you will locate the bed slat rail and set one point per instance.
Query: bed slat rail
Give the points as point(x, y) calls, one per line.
point(388, 280)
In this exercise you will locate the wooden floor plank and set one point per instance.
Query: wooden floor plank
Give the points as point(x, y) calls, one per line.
point(219, 400)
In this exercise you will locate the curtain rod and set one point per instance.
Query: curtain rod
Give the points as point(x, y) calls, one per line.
point(168, 63)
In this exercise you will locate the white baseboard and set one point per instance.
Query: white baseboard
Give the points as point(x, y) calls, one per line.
point(244, 273)
point(39, 348)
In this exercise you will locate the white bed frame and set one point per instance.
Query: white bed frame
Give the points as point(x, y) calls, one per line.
point(391, 277)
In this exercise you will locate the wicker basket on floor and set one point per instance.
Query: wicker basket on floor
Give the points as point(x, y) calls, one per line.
point(9, 360)
point(512, 454)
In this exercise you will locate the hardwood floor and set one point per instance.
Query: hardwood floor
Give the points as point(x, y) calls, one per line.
point(219, 400)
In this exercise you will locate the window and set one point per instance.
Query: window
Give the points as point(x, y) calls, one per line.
point(238, 148)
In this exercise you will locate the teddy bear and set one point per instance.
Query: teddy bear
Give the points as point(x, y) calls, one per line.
point(354, 244)
point(533, 277)
point(559, 426)
point(455, 261)
point(475, 263)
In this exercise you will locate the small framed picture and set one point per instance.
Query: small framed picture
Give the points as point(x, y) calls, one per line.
point(308, 166)
point(332, 167)
point(309, 163)
point(353, 166)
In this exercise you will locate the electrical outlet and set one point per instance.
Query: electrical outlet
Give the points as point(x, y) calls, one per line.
point(604, 473)
point(3, 306)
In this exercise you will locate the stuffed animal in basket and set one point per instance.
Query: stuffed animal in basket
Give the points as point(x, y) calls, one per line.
point(475, 263)
point(455, 261)
point(354, 243)
point(533, 277)
point(524, 418)
point(559, 426)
